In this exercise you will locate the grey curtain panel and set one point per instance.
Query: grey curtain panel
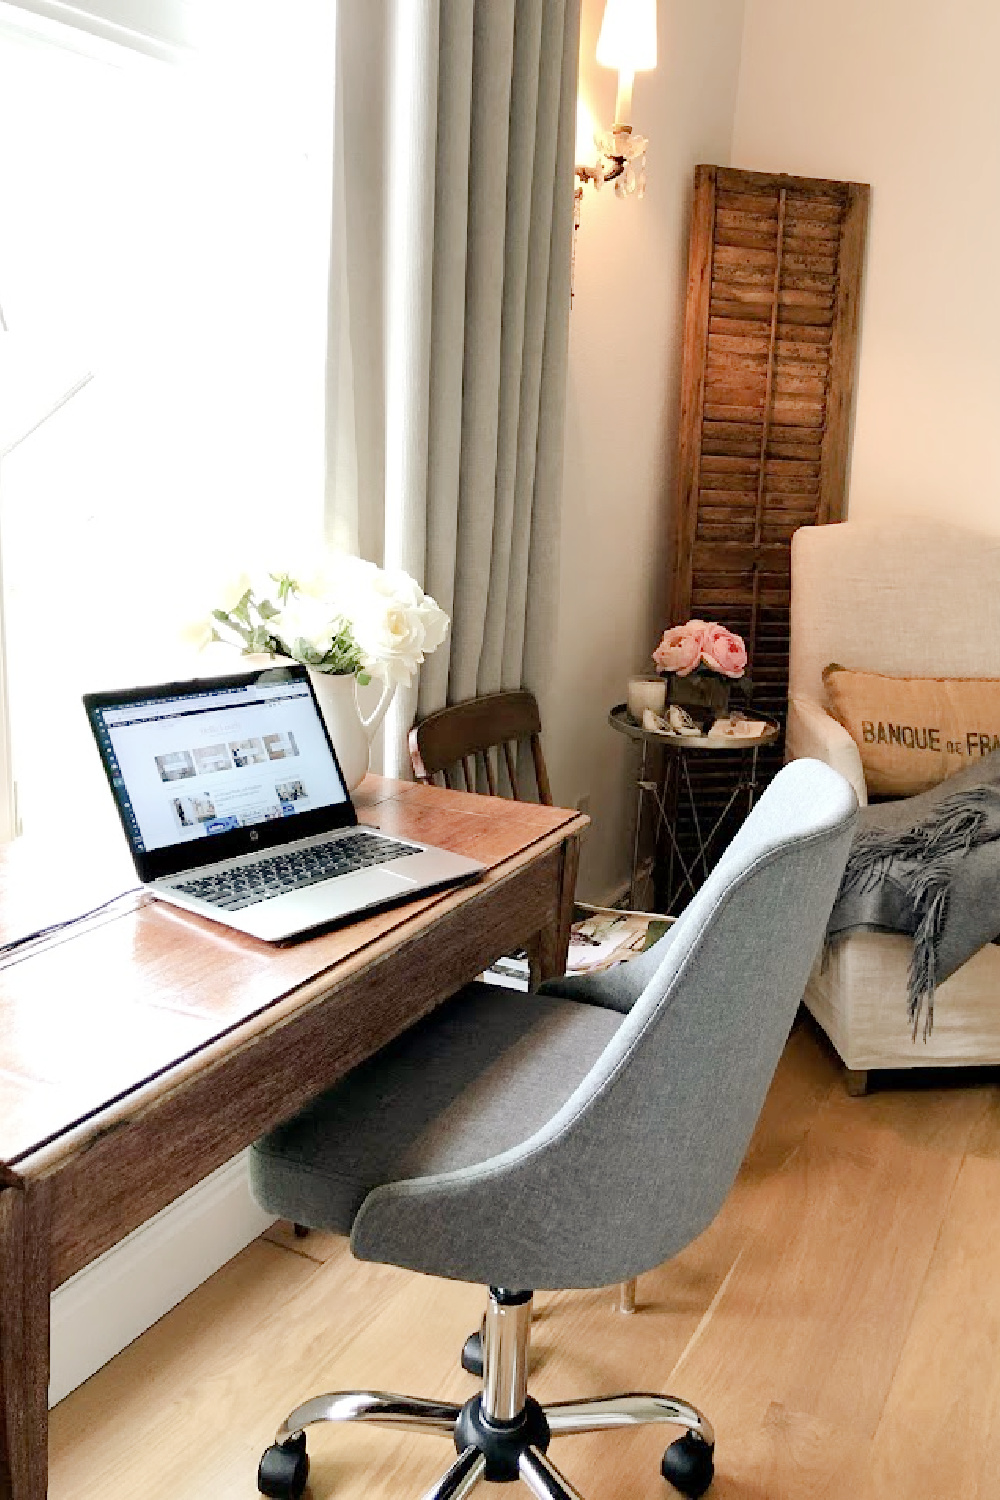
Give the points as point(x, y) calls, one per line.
point(450, 294)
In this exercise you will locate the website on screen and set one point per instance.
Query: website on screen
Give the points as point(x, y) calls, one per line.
point(196, 765)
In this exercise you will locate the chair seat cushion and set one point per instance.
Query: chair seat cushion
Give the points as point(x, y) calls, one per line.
point(477, 1077)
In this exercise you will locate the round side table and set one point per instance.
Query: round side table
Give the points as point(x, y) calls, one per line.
point(674, 782)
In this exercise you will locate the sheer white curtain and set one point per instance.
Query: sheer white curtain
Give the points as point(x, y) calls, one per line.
point(160, 28)
point(449, 320)
point(163, 291)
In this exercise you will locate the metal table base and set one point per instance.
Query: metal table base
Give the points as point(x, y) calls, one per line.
point(686, 873)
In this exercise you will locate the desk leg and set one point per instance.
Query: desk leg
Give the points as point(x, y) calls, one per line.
point(553, 945)
point(24, 1341)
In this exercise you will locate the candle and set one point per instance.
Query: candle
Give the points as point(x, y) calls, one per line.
point(646, 692)
point(623, 101)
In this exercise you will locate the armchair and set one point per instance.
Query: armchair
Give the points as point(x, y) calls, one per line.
point(906, 598)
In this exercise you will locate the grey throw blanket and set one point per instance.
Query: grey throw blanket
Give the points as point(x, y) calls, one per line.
point(929, 866)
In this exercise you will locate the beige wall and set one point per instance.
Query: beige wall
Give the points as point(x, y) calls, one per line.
point(902, 94)
point(898, 93)
point(621, 424)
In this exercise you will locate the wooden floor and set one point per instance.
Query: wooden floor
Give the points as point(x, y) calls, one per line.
point(839, 1323)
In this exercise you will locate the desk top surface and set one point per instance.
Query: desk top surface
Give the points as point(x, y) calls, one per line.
point(95, 1011)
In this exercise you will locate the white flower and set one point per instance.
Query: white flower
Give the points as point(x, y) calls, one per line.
point(308, 619)
point(340, 613)
point(396, 625)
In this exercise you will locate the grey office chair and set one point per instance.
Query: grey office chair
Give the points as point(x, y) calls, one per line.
point(538, 1142)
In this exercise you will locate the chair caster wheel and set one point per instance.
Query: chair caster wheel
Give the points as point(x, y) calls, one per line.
point(689, 1465)
point(472, 1354)
point(284, 1469)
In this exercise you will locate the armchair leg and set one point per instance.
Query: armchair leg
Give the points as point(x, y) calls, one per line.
point(626, 1296)
point(856, 1082)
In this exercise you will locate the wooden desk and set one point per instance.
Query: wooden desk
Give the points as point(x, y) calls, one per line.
point(141, 1050)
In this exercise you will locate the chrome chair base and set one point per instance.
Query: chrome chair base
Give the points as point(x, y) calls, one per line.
point(502, 1434)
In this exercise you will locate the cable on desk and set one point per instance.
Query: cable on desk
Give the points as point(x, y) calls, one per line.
point(33, 937)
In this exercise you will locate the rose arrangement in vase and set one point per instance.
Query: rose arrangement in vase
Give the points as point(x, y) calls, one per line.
point(348, 621)
point(700, 661)
point(345, 617)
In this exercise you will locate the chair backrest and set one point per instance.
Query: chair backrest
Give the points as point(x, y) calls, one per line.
point(906, 597)
point(642, 1154)
point(463, 744)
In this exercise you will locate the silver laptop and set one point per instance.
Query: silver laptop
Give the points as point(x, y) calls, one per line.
point(235, 807)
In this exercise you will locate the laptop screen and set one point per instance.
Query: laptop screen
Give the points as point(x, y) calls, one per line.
point(190, 763)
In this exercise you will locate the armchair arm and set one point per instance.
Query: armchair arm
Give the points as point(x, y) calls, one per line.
point(812, 732)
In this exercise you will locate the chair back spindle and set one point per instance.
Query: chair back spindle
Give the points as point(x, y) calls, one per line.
point(462, 745)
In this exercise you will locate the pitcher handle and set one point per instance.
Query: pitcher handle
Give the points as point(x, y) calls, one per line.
point(378, 713)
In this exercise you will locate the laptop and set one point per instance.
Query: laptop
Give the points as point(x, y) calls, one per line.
point(234, 806)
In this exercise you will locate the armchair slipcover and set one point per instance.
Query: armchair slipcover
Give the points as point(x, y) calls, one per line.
point(904, 597)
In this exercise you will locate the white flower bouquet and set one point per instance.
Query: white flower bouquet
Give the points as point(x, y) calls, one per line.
point(346, 617)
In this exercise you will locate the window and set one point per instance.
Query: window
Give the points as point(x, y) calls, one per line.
point(163, 266)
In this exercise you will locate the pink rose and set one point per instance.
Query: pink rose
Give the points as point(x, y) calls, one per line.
point(723, 651)
point(680, 650)
point(699, 628)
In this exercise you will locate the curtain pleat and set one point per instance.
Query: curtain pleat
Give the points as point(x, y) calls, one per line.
point(543, 554)
point(457, 378)
point(506, 588)
point(493, 53)
point(410, 224)
point(451, 222)
point(410, 206)
point(356, 402)
point(548, 189)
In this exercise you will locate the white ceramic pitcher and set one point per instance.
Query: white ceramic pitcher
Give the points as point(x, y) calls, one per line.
point(351, 734)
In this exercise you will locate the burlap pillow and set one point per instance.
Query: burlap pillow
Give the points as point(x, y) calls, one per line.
point(913, 732)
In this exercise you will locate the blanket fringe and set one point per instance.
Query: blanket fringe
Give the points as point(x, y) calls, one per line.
point(952, 829)
point(929, 889)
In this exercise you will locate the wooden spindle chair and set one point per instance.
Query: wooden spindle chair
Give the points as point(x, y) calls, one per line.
point(460, 742)
point(463, 744)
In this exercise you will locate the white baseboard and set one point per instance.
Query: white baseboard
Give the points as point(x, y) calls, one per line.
point(109, 1303)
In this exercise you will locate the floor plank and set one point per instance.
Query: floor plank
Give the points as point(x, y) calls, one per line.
point(940, 1430)
point(821, 1302)
point(839, 1322)
point(316, 1244)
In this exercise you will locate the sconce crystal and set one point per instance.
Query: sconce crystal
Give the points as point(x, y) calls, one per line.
point(623, 162)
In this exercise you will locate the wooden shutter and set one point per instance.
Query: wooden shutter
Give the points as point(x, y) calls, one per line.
point(770, 346)
point(770, 349)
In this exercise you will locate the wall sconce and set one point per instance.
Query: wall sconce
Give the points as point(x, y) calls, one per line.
point(627, 43)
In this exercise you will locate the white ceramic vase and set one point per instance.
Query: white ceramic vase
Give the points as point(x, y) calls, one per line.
point(351, 734)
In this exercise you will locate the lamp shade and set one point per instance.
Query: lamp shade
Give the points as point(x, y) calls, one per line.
point(628, 36)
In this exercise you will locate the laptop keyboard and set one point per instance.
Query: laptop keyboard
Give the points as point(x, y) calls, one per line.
point(277, 874)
